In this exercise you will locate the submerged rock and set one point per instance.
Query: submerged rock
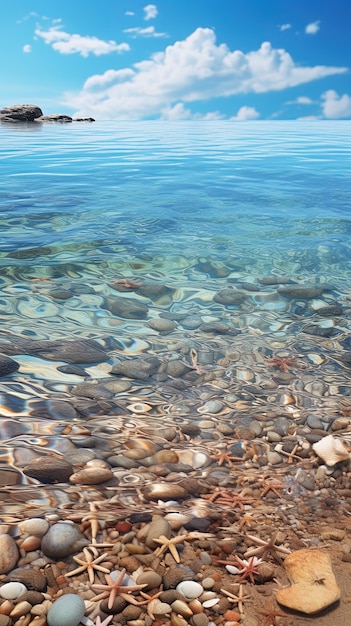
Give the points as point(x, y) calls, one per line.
point(303, 292)
point(54, 117)
point(140, 369)
point(80, 351)
point(49, 469)
point(229, 297)
point(7, 365)
point(127, 308)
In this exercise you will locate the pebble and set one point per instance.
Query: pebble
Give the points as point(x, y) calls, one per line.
point(190, 589)
point(164, 491)
point(36, 526)
point(91, 476)
point(8, 553)
point(49, 469)
point(12, 591)
point(31, 578)
point(63, 539)
point(67, 610)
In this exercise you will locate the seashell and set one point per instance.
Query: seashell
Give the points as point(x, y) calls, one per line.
point(156, 607)
point(190, 589)
point(211, 602)
point(12, 591)
point(139, 407)
point(35, 526)
point(22, 608)
point(91, 476)
point(165, 491)
point(182, 608)
point(331, 450)
point(177, 520)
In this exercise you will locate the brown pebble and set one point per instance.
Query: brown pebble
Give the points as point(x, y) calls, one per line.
point(49, 469)
point(117, 607)
point(5, 620)
point(33, 597)
point(129, 613)
point(22, 608)
point(31, 578)
point(164, 491)
point(231, 616)
point(166, 456)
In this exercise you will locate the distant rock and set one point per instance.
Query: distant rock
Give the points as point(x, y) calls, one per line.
point(20, 113)
point(33, 113)
point(54, 117)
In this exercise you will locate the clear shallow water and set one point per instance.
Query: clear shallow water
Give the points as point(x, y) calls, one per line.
point(185, 210)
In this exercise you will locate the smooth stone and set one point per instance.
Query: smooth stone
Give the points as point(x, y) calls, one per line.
point(166, 456)
point(162, 325)
point(7, 365)
point(127, 308)
point(149, 578)
point(219, 328)
point(8, 554)
point(31, 578)
point(63, 539)
point(36, 526)
point(190, 589)
point(79, 351)
point(314, 422)
point(274, 458)
point(191, 322)
point(139, 369)
point(229, 297)
point(165, 491)
point(212, 406)
point(49, 469)
point(91, 476)
point(313, 585)
point(159, 526)
point(67, 610)
point(11, 591)
point(303, 292)
point(60, 294)
point(176, 369)
point(92, 390)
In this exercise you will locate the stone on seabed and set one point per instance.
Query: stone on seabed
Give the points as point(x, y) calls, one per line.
point(313, 585)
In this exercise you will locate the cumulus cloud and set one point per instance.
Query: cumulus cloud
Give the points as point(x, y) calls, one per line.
point(193, 69)
point(65, 43)
point(245, 113)
point(150, 11)
point(179, 112)
point(27, 48)
point(283, 27)
point(335, 106)
point(312, 28)
point(148, 31)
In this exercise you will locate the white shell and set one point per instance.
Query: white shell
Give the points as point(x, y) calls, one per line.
point(208, 603)
point(331, 450)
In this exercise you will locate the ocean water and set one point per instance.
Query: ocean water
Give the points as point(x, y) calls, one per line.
point(188, 208)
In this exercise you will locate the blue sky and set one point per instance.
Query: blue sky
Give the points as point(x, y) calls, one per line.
point(179, 59)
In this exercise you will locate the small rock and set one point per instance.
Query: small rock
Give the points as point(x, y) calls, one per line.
point(20, 113)
point(31, 578)
point(8, 553)
point(190, 589)
point(301, 292)
point(229, 297)
point(67, 610)
point(7, 365)
point(313, 585)
point(49, 469)
point(162, 325)
point(164, 491)
point(61, 540)
point(139, 369)
point(128, 308)
point(91, 476)
point(54, 117)
point(12, 591)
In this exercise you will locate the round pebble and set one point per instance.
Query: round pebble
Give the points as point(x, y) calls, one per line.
point(8, 554)
point(190, 589)
point(35, 526)
point(61, 540)
point(67, 610)
point(12, 591)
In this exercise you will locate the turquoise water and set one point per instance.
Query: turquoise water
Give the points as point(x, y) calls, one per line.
point(109, 231)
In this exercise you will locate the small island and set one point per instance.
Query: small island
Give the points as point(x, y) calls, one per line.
point(33, 113)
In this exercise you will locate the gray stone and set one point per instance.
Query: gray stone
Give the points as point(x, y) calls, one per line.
point(80, 351)
point(139, 369)
point(229, 297)
point(92, 390)
point(54, 117)
point(127, 308)
point(61, 540)
point(301, 292)
point(7, 365)
point(20, 113)
point(162, 325)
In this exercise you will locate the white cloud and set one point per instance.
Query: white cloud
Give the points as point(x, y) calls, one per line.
point(283, 27)
point(66, 43)
point(312, 28)
point(150, 11)
point(335, 106)
point(308, 118)
point(149, 31)
point(110, 76)
point(129, 13)
point(27, 48)
point(179, 112)
point(245, 113)
point(193, 69)
point(301, 100)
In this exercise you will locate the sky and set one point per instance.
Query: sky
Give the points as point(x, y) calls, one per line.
point(235, 60)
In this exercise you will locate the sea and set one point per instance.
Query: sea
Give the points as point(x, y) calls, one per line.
point(89, 212)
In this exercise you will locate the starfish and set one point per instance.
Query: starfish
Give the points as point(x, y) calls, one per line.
point(273, 486)
point(248, 568)
point(90, 564)
point(170, 544)
point(149, 601)
point(238, 599)
point(227, 497)
point(115, 588)
point(88, 622)
point(266, 548)
point(270, 611)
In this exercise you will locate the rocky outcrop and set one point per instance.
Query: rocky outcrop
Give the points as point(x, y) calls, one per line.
point(20, 113)
point(54, 117)
point(33, 113)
